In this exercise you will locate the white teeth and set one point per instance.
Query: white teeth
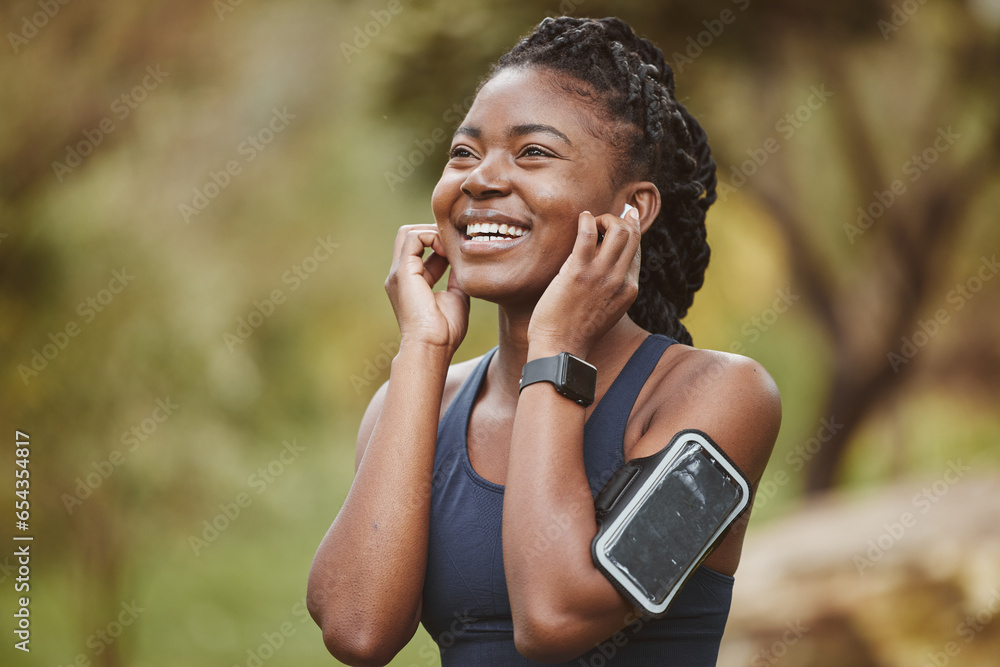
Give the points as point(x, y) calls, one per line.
point(494, 231)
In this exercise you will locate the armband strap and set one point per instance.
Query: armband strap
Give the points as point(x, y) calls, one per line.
point(661, 515)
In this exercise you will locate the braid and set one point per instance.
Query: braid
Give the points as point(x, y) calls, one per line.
point(657, 140)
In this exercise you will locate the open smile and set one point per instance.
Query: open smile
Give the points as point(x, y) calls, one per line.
point(488, 230)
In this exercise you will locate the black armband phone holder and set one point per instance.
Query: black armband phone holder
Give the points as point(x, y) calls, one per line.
point(661, 515)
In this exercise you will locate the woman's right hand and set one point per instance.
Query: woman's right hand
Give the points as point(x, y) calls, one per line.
point(427, 317)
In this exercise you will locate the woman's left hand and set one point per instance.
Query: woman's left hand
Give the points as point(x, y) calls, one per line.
point(594, 288)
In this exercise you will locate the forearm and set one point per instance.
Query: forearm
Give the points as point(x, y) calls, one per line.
point(370, 566)
point(549, 524)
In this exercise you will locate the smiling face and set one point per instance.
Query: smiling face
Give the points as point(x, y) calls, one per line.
point(525, 159)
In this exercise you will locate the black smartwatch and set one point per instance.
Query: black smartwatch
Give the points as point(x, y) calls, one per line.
point(572, 377)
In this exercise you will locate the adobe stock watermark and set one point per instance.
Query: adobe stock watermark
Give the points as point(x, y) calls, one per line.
point(957, 298)
point(779, 648)
point(407, 163)
point(223, 7)
point(102, 638)
point(565, 8)
point(901, 13)
point(121, 107)
point(755, 326)
point(914, 168)
point(364, 34)
point(31, 25)
point(248, 149)
point(373, 367)
point(608, 649)
point(294, 276)
point(713, 30)
point(967, 630)
point(796, 459)
point(557, 526)
point(259, 481)
point(786, 127)
point(59, 340)
point(105, 468)
point(432, 650)
point(707, 380)
point(7, 569)
point(544, 538)
point(923, 502)
point(275, 640)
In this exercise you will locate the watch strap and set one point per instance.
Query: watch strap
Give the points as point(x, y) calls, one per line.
point(572, 377)
point(545, 369)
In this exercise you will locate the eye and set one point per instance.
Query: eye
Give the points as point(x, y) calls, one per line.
point(535, 151)
point(459, 152)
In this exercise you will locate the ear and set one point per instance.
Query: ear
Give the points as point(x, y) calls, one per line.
point(645, 197)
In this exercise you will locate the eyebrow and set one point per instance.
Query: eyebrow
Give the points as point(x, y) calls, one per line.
point(467, 131)
point(533, 128)
point(517, 131)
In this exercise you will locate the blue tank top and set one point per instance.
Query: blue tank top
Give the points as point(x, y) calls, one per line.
point(466, 608)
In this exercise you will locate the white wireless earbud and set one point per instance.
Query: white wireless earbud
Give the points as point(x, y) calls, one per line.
point(627, 209)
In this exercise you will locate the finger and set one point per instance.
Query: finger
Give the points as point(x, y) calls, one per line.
point(411, 255)
point(631, 257)
point(633, 215)
point(401, 235)
point(635, 247)
point(454, 288)
point(617, 236)
point(629, 226)
point(434, 267)
point(635, 264)
point(585, 246)
point(438, 246)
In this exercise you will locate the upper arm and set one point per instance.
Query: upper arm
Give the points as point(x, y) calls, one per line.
point(734, 401)
point(729, 397)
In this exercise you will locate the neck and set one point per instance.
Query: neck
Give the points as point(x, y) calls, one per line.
point(505, 370)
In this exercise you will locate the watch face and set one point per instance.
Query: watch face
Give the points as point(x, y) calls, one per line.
point(579, 378)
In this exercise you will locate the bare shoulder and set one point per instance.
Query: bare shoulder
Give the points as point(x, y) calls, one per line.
point(457, 374)
point(728, 396)
point(710, 373)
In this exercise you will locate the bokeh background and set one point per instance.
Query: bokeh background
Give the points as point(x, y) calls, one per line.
point(197, 206)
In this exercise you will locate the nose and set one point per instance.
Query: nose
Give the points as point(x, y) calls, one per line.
point(488, 179)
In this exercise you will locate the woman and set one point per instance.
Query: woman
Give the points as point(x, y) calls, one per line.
point(472, 506)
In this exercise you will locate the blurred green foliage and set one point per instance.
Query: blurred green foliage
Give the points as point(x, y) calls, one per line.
point(358, 106)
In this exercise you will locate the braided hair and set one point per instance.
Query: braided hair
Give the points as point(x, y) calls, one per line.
point(630, 84)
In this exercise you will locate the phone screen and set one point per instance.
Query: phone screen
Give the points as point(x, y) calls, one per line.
point(682, 514)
